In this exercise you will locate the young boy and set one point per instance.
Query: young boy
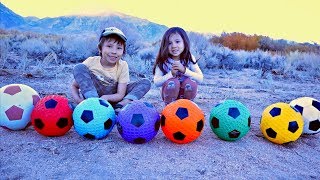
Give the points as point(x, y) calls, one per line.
point(107, 76)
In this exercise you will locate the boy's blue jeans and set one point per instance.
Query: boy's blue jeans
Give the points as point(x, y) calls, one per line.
point(90, 86)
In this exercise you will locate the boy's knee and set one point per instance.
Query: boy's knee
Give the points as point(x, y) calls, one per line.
point(79, 68)
point(146, 83)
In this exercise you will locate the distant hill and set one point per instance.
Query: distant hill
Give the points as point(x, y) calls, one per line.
point(9, 19)
point(140, 28)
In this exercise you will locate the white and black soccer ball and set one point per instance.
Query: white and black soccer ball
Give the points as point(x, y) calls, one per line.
point(310, 111)
point(16, 104)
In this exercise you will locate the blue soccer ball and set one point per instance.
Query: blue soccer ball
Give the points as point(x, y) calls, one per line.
point(94, 118)
point(138, 122)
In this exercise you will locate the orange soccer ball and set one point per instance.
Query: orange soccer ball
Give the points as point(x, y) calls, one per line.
point(182, 121)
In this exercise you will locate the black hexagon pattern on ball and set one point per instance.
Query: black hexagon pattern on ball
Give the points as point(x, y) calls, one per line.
point(275, 112)
point(62, 122)
point(89, 136)
point(316, 104)
point(271, 133)
point(108, 124)
point(120, 129)
point(293, 126)
point(157, 125)
point(215, 122)
point(87, 116)
point(139, 140)
point(299, 108)
point(38, 123)
point(182, 113)
point(163, 120)
point(103, 103)
point(234, 112)
point(51, 104)
point(179, 136)
point(234, 134)
point(200, 125)
point(137, 120)
point(314, 125)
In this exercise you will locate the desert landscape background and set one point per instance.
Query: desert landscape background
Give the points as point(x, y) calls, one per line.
point(253, 69)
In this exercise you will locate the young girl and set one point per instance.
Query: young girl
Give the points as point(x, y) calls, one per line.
point(175, 69)
point(107, 75)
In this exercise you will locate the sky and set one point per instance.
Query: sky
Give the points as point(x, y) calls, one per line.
point(296, 20)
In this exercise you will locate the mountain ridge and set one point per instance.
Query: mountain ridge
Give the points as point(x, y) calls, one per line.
point(8, 18)
point(78, 24)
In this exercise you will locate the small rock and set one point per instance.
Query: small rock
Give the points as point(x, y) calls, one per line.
point(202, 171)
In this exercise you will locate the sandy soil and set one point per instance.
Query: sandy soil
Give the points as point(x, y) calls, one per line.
point(29, 155)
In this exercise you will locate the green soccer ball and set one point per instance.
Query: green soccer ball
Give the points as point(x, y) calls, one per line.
point(230, 120)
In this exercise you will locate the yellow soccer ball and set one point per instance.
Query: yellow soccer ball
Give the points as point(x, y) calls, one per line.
point(280, 123)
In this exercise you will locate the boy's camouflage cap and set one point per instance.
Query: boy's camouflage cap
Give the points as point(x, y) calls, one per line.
point(113, 30)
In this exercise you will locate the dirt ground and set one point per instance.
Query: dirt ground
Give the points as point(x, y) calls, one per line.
point(29, 155)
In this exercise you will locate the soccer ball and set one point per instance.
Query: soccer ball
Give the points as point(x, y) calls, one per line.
point(138, 122)
point(182, 121)
point(230, 120)
point(94, 118)
point(280, 123)
point(310, 111)
point(52, 116)
point(16, 104)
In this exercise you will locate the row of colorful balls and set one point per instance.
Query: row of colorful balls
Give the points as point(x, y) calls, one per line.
point(138, 122)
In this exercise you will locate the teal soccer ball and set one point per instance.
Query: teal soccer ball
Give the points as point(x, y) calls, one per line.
point(230, 120)
point(94, 118)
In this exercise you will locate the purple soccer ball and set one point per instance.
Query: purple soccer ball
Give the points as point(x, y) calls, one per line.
point(138, 122)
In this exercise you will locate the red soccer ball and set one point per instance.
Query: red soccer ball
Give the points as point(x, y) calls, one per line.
point(52, 116)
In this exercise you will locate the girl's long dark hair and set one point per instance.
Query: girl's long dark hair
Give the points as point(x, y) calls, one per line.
point(163, 53)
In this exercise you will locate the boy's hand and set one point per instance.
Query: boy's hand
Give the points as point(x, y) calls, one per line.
point(76, 93)
point(78, 99)
point(178, 66)
point(105, 97)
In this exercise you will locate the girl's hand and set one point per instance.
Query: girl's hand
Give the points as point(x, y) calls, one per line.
point(178, 66)
point(174, 72)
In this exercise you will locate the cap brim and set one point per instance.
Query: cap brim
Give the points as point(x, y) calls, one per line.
point(109, 33)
